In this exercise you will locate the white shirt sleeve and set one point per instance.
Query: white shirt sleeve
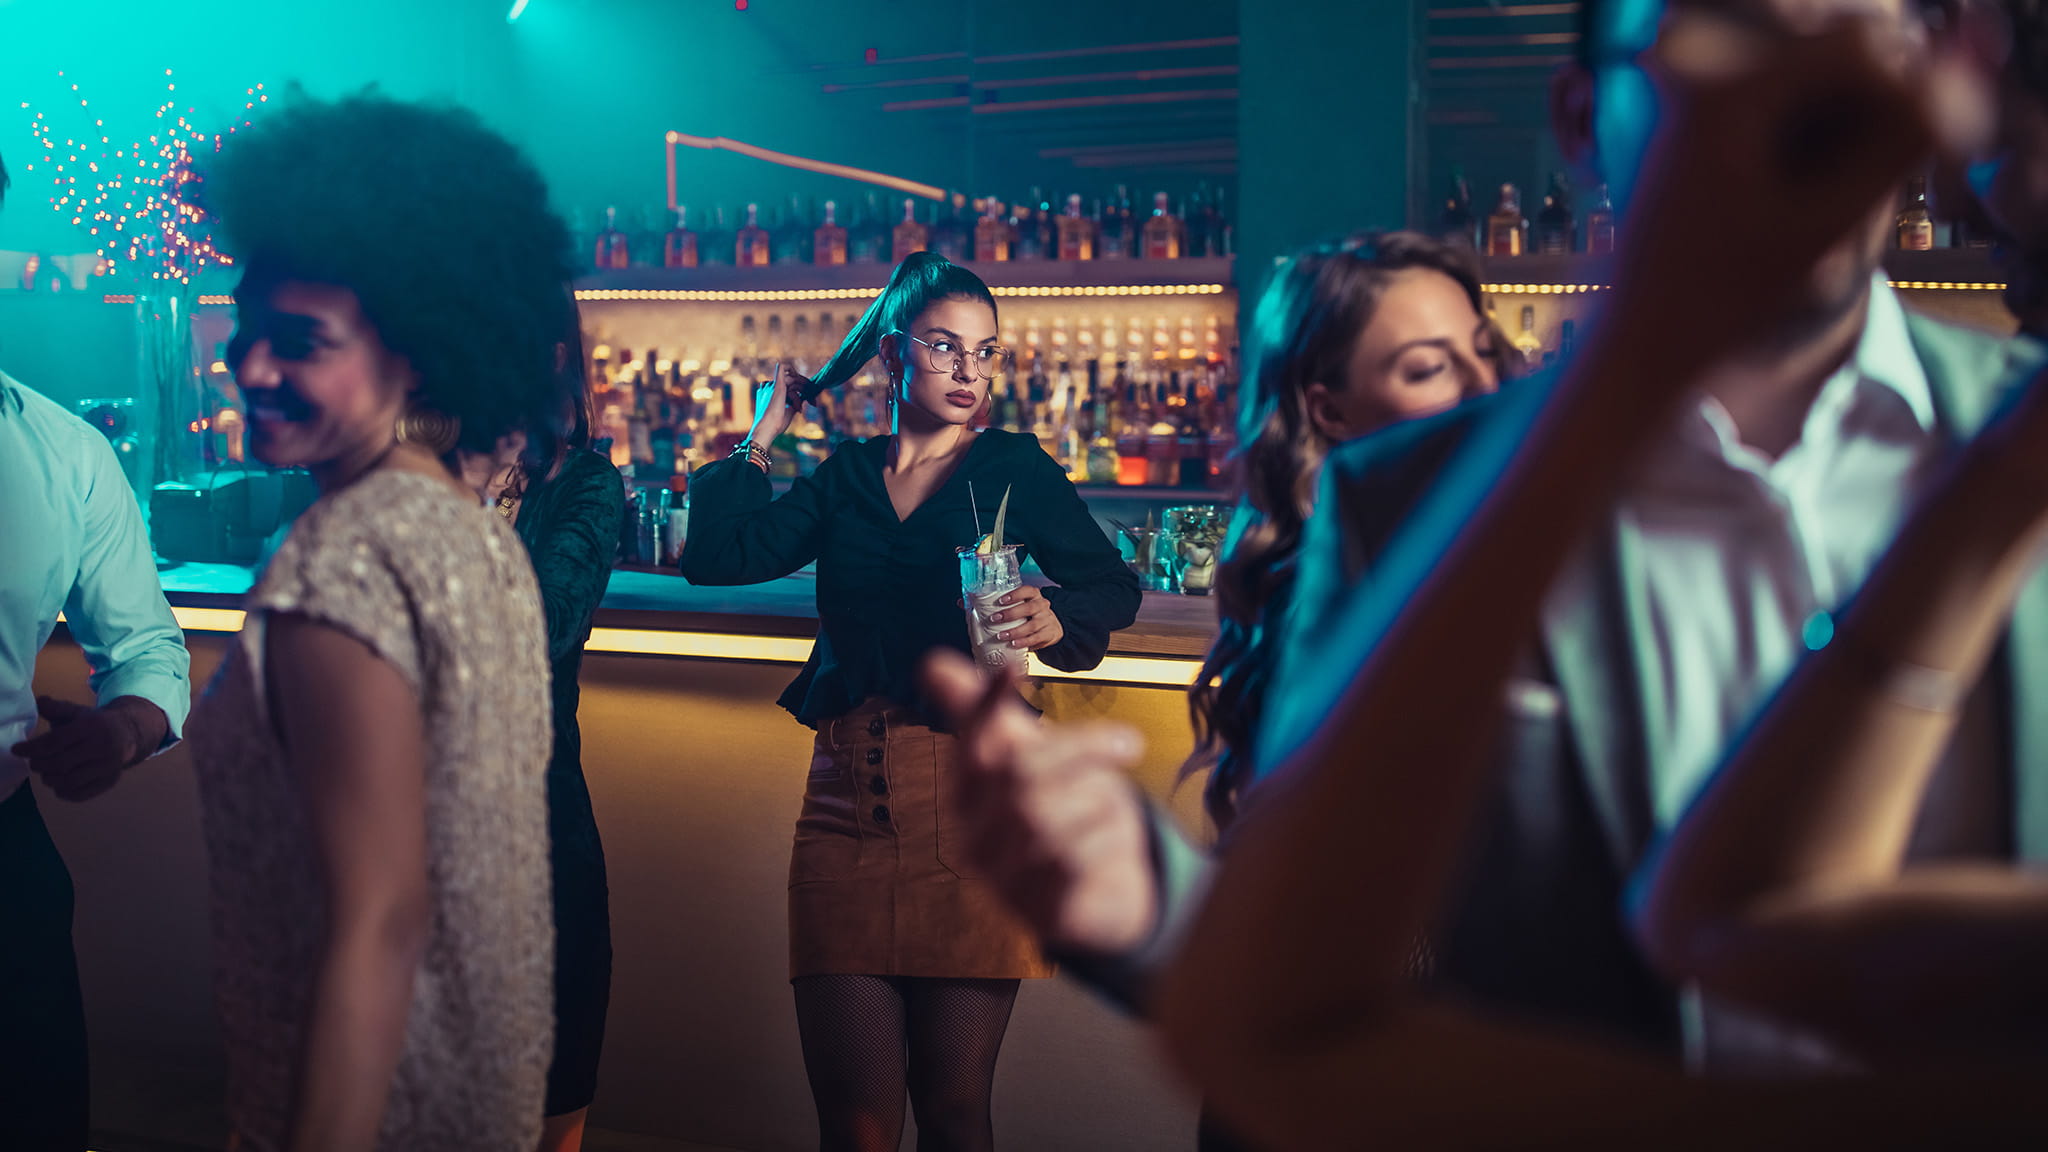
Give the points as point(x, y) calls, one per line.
point(116, 608)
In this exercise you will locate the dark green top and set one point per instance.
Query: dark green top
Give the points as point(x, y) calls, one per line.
point(889, 590)
point(570, 524)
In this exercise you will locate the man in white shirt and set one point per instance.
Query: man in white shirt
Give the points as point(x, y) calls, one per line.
point(1765, 506)
point(71, 540)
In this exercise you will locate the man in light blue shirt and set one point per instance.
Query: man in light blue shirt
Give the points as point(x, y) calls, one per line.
point(71, 540)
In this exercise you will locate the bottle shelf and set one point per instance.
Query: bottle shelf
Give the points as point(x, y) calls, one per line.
point(1952, 268)
point(1195, 276)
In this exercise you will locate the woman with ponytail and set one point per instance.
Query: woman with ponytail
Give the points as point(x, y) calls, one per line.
point(904, 960)
point(1348, 338)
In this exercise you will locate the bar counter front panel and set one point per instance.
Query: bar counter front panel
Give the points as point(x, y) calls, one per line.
point(696, 777)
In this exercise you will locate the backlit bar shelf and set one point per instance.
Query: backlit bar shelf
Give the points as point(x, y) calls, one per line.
point(778, 282)
point(1938, 269)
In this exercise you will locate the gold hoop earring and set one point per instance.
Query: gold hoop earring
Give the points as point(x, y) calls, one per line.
point(428, 428)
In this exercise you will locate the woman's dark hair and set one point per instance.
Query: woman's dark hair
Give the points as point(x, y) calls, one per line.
point(439, 226)
point(2028, 20)
point(1304, 330)
point(922, 280)
point(564, 426)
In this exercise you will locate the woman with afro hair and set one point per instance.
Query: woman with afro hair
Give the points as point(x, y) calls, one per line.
point(372, 754)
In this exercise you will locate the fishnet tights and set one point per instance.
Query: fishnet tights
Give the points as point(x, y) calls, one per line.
point(869, 1040)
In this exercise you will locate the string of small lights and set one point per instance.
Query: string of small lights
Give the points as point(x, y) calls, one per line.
point(136, 204)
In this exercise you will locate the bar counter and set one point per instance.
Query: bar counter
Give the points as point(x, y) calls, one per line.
point(655, 612)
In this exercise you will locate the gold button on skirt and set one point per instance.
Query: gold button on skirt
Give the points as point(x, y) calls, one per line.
point(879, 880)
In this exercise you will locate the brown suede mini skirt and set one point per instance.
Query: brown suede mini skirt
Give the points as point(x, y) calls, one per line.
point(879, 881)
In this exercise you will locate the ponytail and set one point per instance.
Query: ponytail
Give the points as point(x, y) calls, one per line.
point(923, 279)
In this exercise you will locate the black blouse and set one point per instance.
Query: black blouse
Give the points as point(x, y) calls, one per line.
point(888, 590)
point(570, 525)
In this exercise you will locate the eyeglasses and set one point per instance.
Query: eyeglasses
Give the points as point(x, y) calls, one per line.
point(944, 357)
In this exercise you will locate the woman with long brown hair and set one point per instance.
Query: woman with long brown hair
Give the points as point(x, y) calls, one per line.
point(1348, 337)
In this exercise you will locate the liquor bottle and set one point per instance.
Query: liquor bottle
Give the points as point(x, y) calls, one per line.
point(1047, 221)
point(1070, 444)
point(791, 240)
point(1507, 229)
point(1222, 232)
point(1077, 232)
point(1162, 436)
point(612, 249)
point(581, 240)
point(1916, 224)
point(1045, 411)
point(650, 230)
point(993, 235)
point(1101, 465)
point(639, 425)
point(1526, 342)
point(868, 240)
point(1062, 340)
point(828, 337)
point(1030, 242)
point(599, 379)
point(1194, 440)
point(717, 243)
point(828, 243)
point(1114, 226)
point(1459, 224)
point(679, 246)
point(1035, 383)
point(1557, 234)
point(1600, 223)
point(1221, 423)
point(952, 235)
point(751, 247)
point(1165, 235)
point(1130, 425)
point(1196, 225)
point(910, 235)
point(1013, 412)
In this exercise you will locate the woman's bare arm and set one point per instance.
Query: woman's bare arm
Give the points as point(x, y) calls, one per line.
point(353, 731)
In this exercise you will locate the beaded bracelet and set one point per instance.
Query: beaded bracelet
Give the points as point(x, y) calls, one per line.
point(1903, 682)
point(753, 452)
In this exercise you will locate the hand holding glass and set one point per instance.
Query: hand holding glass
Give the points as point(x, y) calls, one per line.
point(985, 578)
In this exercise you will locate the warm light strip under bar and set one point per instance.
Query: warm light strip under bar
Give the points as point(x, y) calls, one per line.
point(1541, 289)
point(1573, 289)
point(775, 649)
point(752, 296)
point(1947, 286)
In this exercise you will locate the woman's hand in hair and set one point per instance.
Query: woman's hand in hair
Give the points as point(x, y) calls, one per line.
point(1050, 812)
point(773, 409)
point(1041, 625)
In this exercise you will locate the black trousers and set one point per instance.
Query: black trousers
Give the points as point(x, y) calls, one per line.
point(43, 1085)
